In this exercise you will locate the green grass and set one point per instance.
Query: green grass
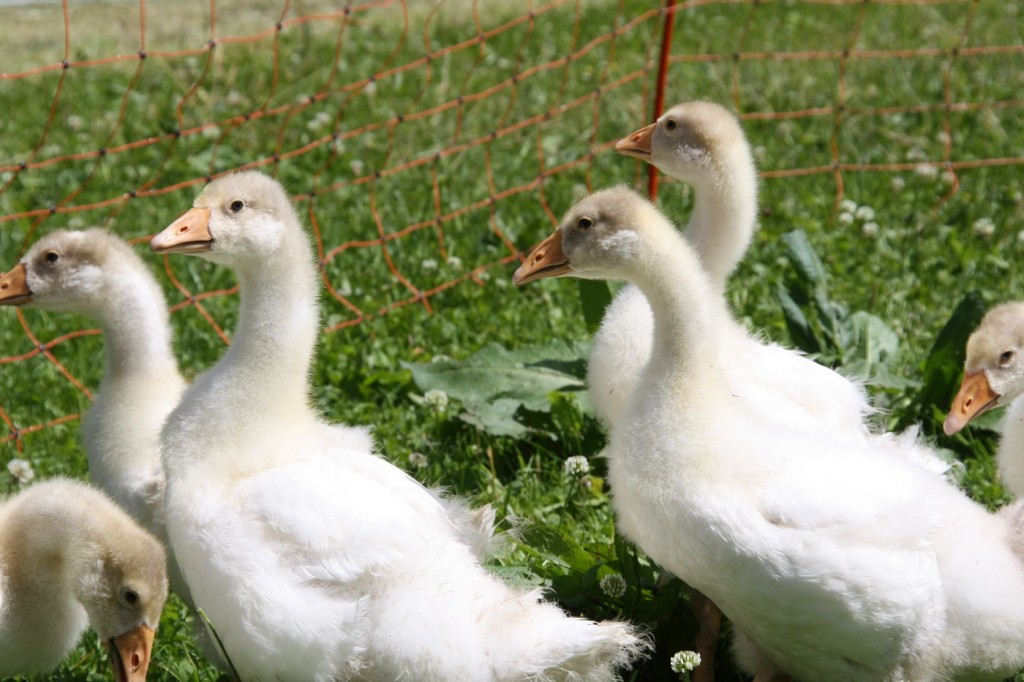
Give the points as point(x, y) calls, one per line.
point(925, 257)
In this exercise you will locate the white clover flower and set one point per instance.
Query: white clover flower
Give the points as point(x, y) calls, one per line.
point(848, 205)
point(211, 133)
point(234, 97)
point(684, 661)
point(926, 170)
point(75, 122)
point(897, 184)
point(454, 262)
point(865, 213)
point(1020, 236)
point(916, 154)
point(613, 585)
point(869, 229)
point(417, 460)
point(357, 166)
point(370, 89)
point(576, 466)
point(948, 177)
point(436, 399)
point(21, 470)
point(846, 218)
point(429, 264)
point(321, 120)
point(985, 227)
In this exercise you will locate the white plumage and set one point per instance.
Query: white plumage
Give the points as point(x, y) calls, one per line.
point(702, 144)
point(95, 273)
point(314, 558)
point(836, 561)
point(69, 557)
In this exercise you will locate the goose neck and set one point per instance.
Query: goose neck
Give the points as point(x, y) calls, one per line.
point(723, 219)
point(136, 330)
point(277, 324)
point(687, 310)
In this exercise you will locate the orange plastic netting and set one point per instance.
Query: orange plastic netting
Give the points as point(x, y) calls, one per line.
point(400, 126)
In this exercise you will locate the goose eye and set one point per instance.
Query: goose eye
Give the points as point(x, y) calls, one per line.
point(1006, 358)
point(131, 597)
point(584, 223)
point(52, 257)
point(670, 124)
point(237, 205)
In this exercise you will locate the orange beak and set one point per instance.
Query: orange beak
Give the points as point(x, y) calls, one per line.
point(14, 286)
point(547, 260)
point(638, 144)
point(133, 650)
point(974, 398)
point(188, 234)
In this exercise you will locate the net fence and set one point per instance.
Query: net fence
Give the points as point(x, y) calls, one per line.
point(427, 145)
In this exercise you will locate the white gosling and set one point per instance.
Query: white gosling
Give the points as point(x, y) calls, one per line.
point(834, 560)
point(993, 377)
point(314, 558)
point(69, 557)
point(95, 273)
point(703, 145)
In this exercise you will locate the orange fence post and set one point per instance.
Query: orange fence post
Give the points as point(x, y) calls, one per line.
point(659, 89)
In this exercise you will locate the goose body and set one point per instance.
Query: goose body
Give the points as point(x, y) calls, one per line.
point(314, 558)
point(70, 557)
point(702, 144)
point(834, 559)
point(95, 273)
point(994, 377)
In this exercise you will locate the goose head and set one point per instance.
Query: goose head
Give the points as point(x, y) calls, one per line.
point(689, 141)
point(237, 218)
point(64, 271)
point(597, 239)
point(123, 593)
point(66, 536)
point(994, 369)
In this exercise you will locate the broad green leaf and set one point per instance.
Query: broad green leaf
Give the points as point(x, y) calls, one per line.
point(943, 368)
point(804, 258)
point(496, 417)
point(869, 340)
point(800, 330)
point(495, 383)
